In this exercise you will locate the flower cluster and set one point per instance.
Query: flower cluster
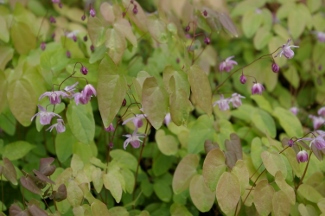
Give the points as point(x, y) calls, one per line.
point(134, 138)
point(55, 97)
point(223, 103)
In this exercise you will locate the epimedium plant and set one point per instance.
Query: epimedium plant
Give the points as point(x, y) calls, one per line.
point(162, 107)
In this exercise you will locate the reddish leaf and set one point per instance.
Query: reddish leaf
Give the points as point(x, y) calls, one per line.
point(45, 166)
point(8, 170)
point(29, 184)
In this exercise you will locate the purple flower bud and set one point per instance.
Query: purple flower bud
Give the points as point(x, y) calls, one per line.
point(84, 70)
point(92, 12)
point(205, 13)
point(92, 48)
point(135, 9)
point(321, 37)
point(294, 110)
point(187, 28)
point(89, 90)
point(275, 67)
point(302, 156)
point(43, 46)
point(111, 145)
point(83, 17)
point(124, 102)
point(74, 38)
point(257, 88)
point(85, 38)
point(60, 5)
point(242, 79)
point(207, 40)
point(68, 54)
point(110, 128)
point(52, 19)
point(290, 143)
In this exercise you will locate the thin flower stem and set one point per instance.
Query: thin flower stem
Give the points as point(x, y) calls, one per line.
point(139, 160)
point(240, 69)
point(305, 171)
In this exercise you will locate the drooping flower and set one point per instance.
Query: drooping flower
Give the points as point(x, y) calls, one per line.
point(59, 126)
point(236, 100)
point(80, 98)
point(294, 110)
point(84, 70)
point(89, 91)
point(242, 79)
point(135, 9)
point(302, 156)
point(137, 120)
point(54, 96)
point(318, 142)
point(321, 111)
point(275, 67)
point(133, 139)
point(52, 19)
point(110, 128)
point(45, 116)
point(228, 64)
point(207, 40)
point(223, 103)
point(286, 50)
point(320, 36)
point(43, 46)
point(318, 121)
point(257, 88)
point(92, 12)
point(70, 89)
point(167, 119)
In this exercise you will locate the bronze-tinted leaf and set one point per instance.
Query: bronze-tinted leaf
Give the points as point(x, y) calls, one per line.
point(287, 189)
point(45, 166)
point(29, 184)
point(228, 193)
point(209, 146)
point(280, 204)
point(42, 177)
point(234, 150)
point(263, 194)
point(227, 23)
point(8, 170)
point(15, 210)
point(60, 194)
point(184, 172)
point(98, 208)
point(36, 211)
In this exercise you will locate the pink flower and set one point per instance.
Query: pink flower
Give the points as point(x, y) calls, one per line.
point(302, 156)
point(223, 103)
point(286, 50)
point(137, 120)
point(318, 142)
point(317, 121)
point(59, 126)
point(110, 128)
point(257, 88)
point(133, 139)
point(70, 89)
point(236, 99)
point(89, 91)
point(321, 36)
point(294, 110)
point(321, 111)
point(92, 12)
point(242, 79)
point(45, 116)
point(167, 119)
point(228, 64)
point(54, 96)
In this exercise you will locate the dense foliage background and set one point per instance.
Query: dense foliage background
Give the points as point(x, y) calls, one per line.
point(167, 107)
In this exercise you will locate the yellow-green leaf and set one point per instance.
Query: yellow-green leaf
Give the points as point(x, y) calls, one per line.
point(289, 122)
point(273, 163)
point(287, 189)
point(167, 144)
point(310, 193)
point(17, 150)
point(263, 194)
point(280, 204)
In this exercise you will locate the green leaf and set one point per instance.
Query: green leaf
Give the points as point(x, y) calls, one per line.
point(22, 101)
point(264, 122)
point(262, 102)
point(163, 191)
point(273, 163)
point(178, 209)
point(289, 122)
point(228, 193)
point(54, 60)
point(113, 184)
point(167, 144)
point(111, 90)
point(117, 211)
point(116, 44)
point(184, 172)
point(262, 38)
point(154, 101)
point(64, 144)
point(161, 164)
point(157, 29)
point(22, 37)
point(124, 159)
point(4, 34)
point(201, 131)
point(17, 150)
point(310, 193)
point(251, 22)
point(263, 193)
point(256, 151)
point(314, 5)
point(287, 189)
point(280, 204)
point(129, 180)
point(74, 194)
point(6, 54)
point(96, 31)
point(213, 167)
point(81, 122)
point(123, 27)
point(241, 172)
point(97, 179)
point(295, 16)
point(202, 197)
point(98, 208)
point(292, 76)
point(201, 89)
point(8, 122)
